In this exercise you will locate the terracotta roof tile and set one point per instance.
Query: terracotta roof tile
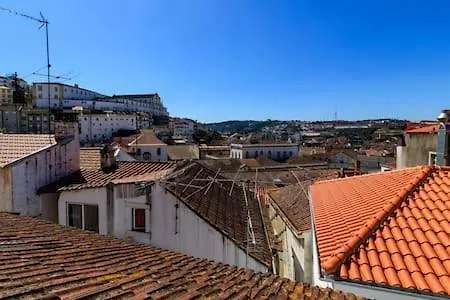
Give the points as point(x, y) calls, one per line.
point(425, 129)
point(16, 146)
point(387, 228)
point(146, 137)
point(294, 204)
point(90, 157)
point(210, 199)
point(125, 171)
point(39, 259)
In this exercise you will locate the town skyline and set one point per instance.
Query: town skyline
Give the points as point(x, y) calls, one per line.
point(205, 59)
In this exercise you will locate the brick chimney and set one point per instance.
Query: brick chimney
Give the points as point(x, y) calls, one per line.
point(107, 158)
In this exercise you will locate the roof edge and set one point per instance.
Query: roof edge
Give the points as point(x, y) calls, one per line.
point(332, 264)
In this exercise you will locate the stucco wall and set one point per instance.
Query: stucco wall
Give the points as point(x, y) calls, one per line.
point(153, 150)
point(292, 247)
point(94, 196)
point(6, 190)
point(182, 230)
point(416, 151)
point(38, 170)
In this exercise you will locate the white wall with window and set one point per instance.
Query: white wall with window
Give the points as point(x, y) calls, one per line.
point(272, 151)
point(147, 213)
point(156, 153)
point(98, 128)
point(84, 209)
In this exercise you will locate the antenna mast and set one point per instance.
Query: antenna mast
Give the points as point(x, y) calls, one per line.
point(44, 23)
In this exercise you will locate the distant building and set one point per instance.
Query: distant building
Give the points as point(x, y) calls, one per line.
point(99, 128)
point(30, 161)
point(272, 151)
point(17, 119)
point(6, 95)
point(146, 146)
point(63, 96)
point(183, 127)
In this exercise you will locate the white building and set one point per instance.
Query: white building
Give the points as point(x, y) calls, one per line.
point(135, 204)
point(99, 128)
point(272, 151)
point(63, 96)
point(31, 161)
point(146, 146)
point(288, 210)
point(6, 95)
point(183, 127)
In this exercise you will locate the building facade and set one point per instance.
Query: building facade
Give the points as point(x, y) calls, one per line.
point(6, 95)
point(183, 127)
point(19, 120)
point(33, 161)
point(271, 151)
point(99, 128)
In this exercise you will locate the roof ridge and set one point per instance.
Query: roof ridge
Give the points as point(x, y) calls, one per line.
point(332, 264)
point(368, 175)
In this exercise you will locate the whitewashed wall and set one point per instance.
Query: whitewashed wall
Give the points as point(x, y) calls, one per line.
point(91, 196)
point(153, 150)
point(100, 127)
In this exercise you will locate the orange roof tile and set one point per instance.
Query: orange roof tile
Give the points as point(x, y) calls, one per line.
point(16, 146)
point(389, 228)
point(39, 259)
point(90, 157)
point(147, 137)
point(426, 129)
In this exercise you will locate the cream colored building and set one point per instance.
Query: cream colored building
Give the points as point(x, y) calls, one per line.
point(6, 95)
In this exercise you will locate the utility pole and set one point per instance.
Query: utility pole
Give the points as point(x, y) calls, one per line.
point(44, 23)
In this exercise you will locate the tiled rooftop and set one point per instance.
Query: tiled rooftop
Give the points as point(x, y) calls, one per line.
point(425, 129)
point(39, 259)
point(90, 178)
point(294, 204)
point(90, 157)
point(389, 229)
point(146, 137)
point(210, 199)
point(16, 146)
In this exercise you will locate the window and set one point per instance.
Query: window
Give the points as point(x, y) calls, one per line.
point(270, 154)
point(432, 158)
point(40, 88)
point(158, 151)
point(138, 219)
point(138, 151)
point(56, 88)
point(261, 153)
point(40, 96)
point(83, 216)
point(146, 156)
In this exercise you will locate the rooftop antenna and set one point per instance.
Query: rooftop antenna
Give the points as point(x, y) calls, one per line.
point(44, 23)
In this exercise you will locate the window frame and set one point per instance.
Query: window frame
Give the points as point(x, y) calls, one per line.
point(83, 214)
point(133, 220)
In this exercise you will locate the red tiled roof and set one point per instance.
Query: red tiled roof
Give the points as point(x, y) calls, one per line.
point(39, 259)
point(426, 129)
point(390, 229)
point(16, 146)
point(90, 178)
point(90, 157)
point(147, 137)
point(211, 200)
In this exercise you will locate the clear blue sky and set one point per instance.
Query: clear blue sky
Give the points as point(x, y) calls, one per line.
point(216, 60)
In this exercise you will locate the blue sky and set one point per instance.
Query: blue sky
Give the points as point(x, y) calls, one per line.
point(214, 60)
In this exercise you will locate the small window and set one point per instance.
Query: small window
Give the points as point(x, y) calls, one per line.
point(75, 215)
point(146, 156)
point(158, 151)
point(56, 88)
point(40, 88)
point(138, 222)
point(83, 216)
point(40, 96)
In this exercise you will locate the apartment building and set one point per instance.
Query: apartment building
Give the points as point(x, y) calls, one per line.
point(63, 96)
point(183, 127)
point(99, 128)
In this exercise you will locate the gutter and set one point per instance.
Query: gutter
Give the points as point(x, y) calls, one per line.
point(388, 289)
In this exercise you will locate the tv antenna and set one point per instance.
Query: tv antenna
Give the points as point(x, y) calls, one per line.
point(44, 23)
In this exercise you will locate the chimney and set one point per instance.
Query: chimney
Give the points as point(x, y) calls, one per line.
point(442, 149)
point(357, 166)
point(107, 158)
